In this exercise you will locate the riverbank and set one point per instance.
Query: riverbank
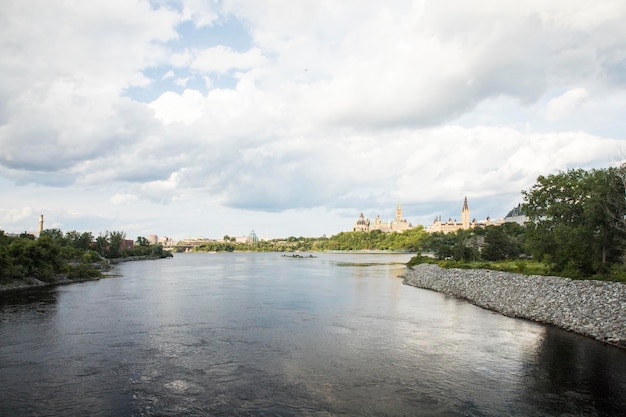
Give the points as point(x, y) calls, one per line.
point(115, 261)
point(592, 308)
point(28, 283)
point(63, 279)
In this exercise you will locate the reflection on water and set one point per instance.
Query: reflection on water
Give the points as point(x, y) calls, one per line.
point(578, 378)
point(258, 334)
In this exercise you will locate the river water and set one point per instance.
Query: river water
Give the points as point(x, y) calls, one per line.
point(260, 335)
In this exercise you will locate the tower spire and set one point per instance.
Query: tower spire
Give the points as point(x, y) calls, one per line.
point(398, 212)
point(465, 215)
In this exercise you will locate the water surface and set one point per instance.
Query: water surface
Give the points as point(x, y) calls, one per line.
point(261, 334)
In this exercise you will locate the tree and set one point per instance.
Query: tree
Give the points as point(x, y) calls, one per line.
point(116, 239)
point(498, 245)
point(574, 220)
point(54, 234)
point(85, 241)
point(102, 244)
point(142, 241)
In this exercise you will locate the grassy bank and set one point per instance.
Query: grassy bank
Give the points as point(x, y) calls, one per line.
point(520, 266)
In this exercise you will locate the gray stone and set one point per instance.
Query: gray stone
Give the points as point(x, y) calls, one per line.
point(592, 308)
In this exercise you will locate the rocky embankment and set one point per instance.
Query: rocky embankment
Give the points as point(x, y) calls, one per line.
point(27, 283)
point(591, 308)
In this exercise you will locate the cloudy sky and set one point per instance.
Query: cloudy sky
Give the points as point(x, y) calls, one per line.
point(204, 118)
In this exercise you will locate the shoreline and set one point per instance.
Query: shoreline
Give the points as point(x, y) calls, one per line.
point(590, 308)
point(31, 283)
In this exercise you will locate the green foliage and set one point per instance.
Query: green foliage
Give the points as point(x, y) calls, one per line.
point(617, 273)
point(91, 256)
point(576, 229)
point(115, 240)
point(83, 270)
point(411, 240)
point(576, 221)
point(78, 240)
point(73, 255)
point(54, 234)
point(420, 259)
point(23, 257)
point(216, 247)
point(527, 267)
point(46, 258)
point(491, 243)
point(499, 244)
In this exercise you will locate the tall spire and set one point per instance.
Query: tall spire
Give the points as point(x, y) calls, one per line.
point(465, 215)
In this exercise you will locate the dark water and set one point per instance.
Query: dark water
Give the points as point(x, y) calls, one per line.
point(261, 335)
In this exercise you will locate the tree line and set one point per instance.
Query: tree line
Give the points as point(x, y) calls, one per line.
point(70, 255)
point(576, 228)
point(409, 240)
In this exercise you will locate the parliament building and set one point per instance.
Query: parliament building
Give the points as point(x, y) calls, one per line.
point(465, 223)
point(398, 225)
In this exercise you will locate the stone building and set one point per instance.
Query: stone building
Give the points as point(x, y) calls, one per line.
point(465, 223)
point(387, 226)
point(362, 224)
point(516, 215)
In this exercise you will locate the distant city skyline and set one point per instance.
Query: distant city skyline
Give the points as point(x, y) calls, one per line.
point(153, 236)
point(189, 118)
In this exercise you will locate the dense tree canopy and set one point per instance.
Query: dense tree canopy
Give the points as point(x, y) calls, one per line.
point(73, 255)
point(44, 258)
point(575, 220)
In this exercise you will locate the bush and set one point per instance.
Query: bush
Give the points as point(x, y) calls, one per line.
point(91, 257)
point(45, 273)
point(83, 270)
point(572, 270)
point(419, 259)
point(618, 272)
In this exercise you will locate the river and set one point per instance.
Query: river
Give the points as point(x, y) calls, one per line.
point(259, 334)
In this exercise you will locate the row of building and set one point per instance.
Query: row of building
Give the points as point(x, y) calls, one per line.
point(399, 224)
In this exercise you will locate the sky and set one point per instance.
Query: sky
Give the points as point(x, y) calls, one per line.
point(191, 118)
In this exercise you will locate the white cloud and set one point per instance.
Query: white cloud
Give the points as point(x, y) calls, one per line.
point(201, 13)
point(171, 107)
point(221, 59)
point(169, 74)
point(182, 82)
point(563, 106)
point(123, 199)
point(332, 106)
point(15, 215)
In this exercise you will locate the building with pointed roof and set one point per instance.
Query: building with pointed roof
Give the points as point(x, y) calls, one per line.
point(397, 225)
point(362, 224)
point(440, 226)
